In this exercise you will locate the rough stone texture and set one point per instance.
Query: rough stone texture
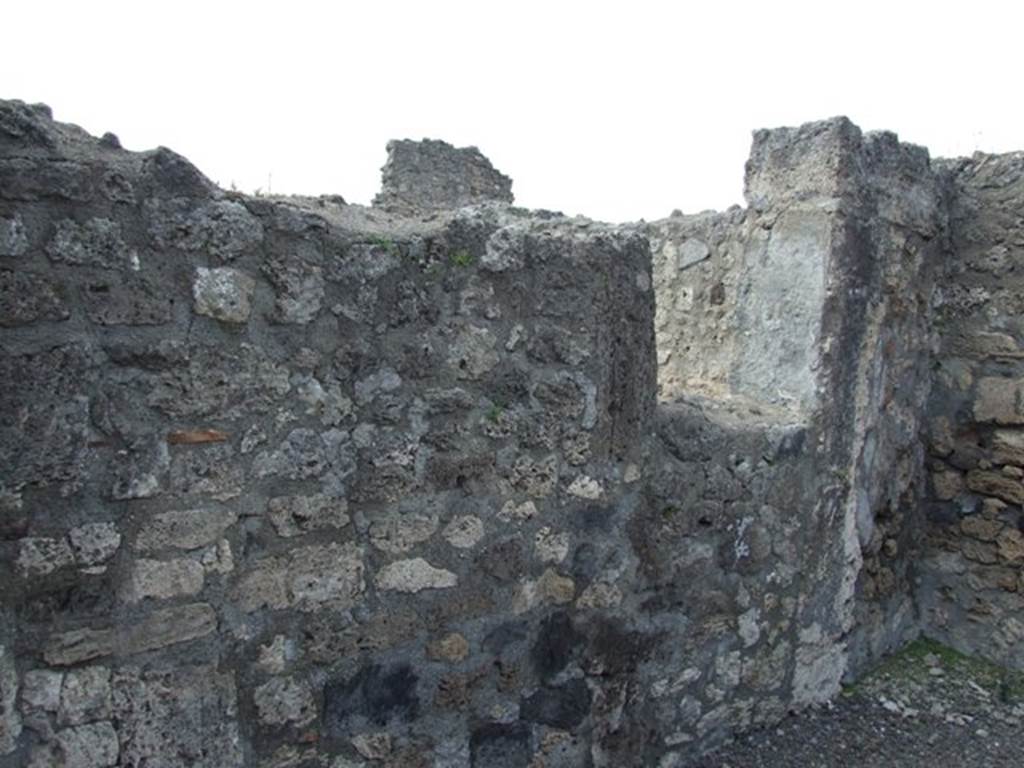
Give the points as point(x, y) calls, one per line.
point(284, 700)
point(414, 575)
point(972, 580)
point(39, 556)
point(697, 300)
point(291, 482)
point(184, 529)
point(26, 298)
point(159, 629)
point(814, 305)
point(223, 294)
point(41, 689)
point(84, 696)
point(422, 176)
point(184, 716)
point(308, 578)
point(160, 579)
point(13, 241)
point(10, 719)
point(296, 515)
point(97, 243)
point(94, 543)
point(87, 746)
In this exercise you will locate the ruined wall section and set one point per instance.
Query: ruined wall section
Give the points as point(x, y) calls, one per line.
point(895, 226)
point(853, 221)
point(720, 540)
point(289, 482)
point(421, 177)
point(292, 482)
point(789, 466)
point(972, 581)
point(894, 320)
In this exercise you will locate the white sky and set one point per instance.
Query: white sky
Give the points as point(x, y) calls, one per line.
point(616, 110)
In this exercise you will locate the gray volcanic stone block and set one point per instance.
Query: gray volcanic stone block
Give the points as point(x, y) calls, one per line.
point(87, 746)
point(135, 302)
point(223, 229)
point(26, 298)
point(50, 403)
point(185, 529)
point(181, 716)
point(309, 579)
point(84, 696)
point(156, 630)
point(375, 695)
point(10, 719)
point(13, 241)
point(96, 243)
point(285, 700)
point(223, 294)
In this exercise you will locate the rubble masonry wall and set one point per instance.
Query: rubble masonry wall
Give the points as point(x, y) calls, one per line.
point(289, 482)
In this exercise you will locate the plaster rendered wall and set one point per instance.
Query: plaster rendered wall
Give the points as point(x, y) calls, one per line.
point(741, 295)
point(697, 261)
point(972, 582)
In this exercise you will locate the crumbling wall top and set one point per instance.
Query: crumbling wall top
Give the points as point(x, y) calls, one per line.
point(428, 175)
point(833, 158)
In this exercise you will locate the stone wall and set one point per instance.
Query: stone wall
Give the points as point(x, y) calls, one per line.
point(813, 303)
point(698, 260)
point(972, 583)
point(290, 482)
point(933, 250)
point(429, 175)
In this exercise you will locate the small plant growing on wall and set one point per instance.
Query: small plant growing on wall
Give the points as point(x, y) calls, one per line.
point(385, 243)
point(494, 413)
point(670, 512)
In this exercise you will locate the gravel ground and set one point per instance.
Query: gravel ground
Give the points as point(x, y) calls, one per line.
point(927, 706)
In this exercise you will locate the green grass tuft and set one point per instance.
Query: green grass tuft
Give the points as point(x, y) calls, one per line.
point(910, 665)
point(385, 243)
point(670, 511)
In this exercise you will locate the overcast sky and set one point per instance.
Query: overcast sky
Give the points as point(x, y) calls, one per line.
point(620, 110)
